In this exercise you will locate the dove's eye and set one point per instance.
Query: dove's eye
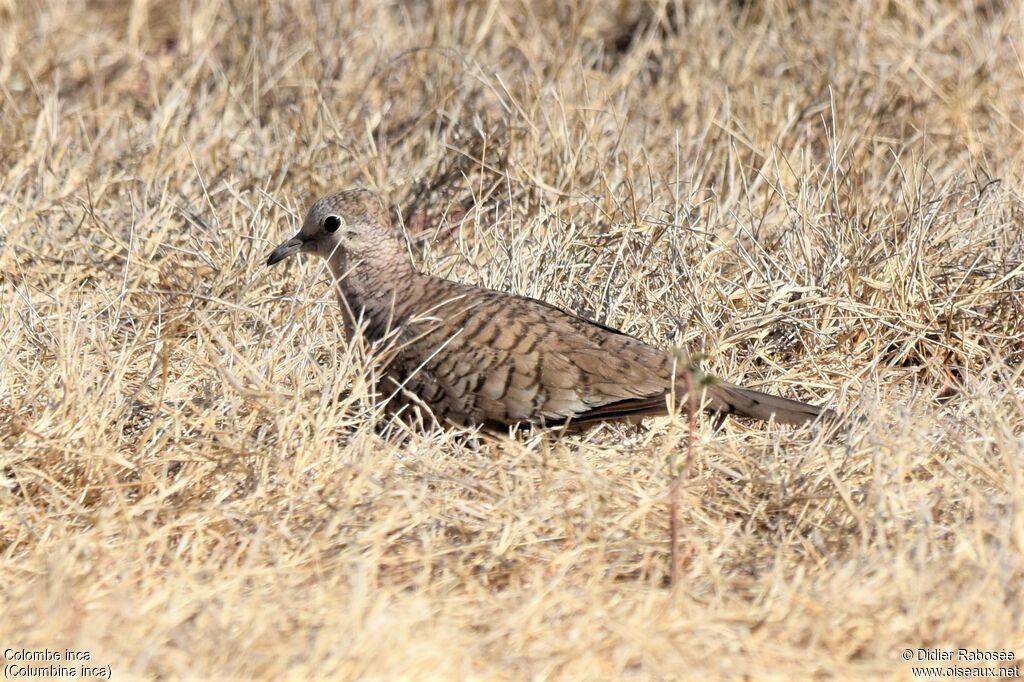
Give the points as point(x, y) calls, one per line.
point(332, 223)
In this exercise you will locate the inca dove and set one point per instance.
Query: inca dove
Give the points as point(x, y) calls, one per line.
point(478, 356)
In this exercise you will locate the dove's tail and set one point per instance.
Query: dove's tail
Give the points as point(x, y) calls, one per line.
point(720, 397)
point(746, 402)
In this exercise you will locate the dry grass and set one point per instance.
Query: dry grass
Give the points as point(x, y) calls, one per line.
point(826, 200)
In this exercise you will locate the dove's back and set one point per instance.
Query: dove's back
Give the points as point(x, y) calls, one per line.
point(476, 355)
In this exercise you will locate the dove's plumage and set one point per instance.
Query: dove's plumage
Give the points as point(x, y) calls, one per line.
point(479, 356)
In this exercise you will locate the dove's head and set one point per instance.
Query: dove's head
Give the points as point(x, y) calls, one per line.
point(349, 223)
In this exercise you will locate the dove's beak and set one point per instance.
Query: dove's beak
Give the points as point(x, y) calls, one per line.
point(287, 248)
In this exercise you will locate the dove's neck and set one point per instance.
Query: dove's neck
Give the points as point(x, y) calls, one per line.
point(375, 287)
